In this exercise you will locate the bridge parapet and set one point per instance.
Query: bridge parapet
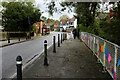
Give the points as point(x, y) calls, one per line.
point(107, 53)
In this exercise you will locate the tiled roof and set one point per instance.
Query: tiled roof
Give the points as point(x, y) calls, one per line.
point(63, 22)
point(69, 21)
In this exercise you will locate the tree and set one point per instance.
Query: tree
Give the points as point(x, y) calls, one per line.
point(111, 27)
point(19, 16)
point(51, 27)
point(65, 17)
point(85, 11)
point(52, 8)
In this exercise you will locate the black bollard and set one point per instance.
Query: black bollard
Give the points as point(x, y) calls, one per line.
point(19, 37)
point(54, 46)
point(61, 38)
point(19, 67)
point(45, 53)
point(58, 40)
point(8, 39)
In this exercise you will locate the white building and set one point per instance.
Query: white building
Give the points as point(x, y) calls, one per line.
point(70, 23)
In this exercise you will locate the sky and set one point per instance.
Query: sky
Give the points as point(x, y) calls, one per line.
point(40, 4)
point(56, 16)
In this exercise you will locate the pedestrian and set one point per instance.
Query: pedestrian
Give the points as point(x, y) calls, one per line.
point(74, 33)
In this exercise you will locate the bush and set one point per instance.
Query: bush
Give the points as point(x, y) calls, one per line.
point(104, 28)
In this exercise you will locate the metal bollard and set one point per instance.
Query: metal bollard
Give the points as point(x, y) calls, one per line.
point(54, 46)
point(19, 37)
point(58, 40)
point(19, 67)
point(61, 38)
point(8, 39)
point(45, 53)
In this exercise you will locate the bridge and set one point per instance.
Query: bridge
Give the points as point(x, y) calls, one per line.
point(88, 57)
point(107, 53)
point(75, 57)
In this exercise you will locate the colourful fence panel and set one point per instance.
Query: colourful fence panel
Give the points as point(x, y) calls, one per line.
point(107, 53)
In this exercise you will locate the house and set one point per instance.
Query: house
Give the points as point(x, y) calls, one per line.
point(73, 22)
point(56, 26)
point(39, 26)
point(46, 29)
point(69, 23)
point(63, 24)
point(49, 24)
point(113, 14)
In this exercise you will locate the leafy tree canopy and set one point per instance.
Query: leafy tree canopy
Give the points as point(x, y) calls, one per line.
point(86, 16)
point(65, 17)
point(19, 16)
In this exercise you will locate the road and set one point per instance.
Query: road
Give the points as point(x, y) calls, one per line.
point(26, 49)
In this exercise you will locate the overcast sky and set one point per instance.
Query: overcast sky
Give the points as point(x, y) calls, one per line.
point(40, 4)
point(56, 16)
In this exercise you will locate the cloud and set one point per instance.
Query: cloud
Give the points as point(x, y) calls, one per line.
point(56, 15)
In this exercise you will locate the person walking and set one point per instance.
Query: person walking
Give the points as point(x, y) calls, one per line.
point(74, 33)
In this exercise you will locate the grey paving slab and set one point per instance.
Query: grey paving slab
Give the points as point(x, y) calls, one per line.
point(72, 60)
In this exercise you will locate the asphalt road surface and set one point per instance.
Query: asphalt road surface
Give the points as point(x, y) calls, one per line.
point(26, 49)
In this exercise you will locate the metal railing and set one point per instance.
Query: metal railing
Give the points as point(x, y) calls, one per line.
point(6, 35)
point(109, 57)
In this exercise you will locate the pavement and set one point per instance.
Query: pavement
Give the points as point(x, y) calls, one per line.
point(14, 41)
point(73, 59)
point(29, 50)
